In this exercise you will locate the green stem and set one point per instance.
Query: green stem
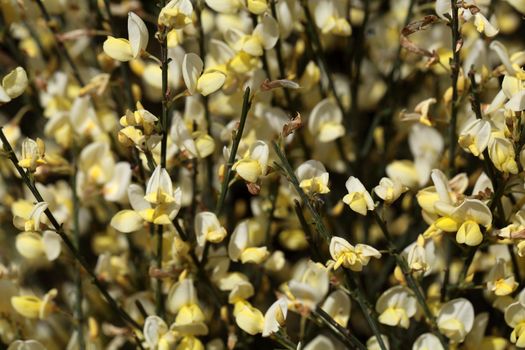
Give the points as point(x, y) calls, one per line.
point(67, 241)
point(205, 102)
point(454, 67)
point(322, 230)
point(339, 331)
point(411, 281)
point(78, 277)
point(233, 153)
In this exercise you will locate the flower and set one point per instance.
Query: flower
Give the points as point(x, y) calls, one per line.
point(248, 318)
point(159, 205)
point(427, 341)
point(338, 306)
point(13, 84)
point(396, 306)
point(208, 228)
point(500, 280)
point(475, 136)
point(389, 190)
point(33, 307)
point(125, 50)
point(245, 243)
point(197, 81)
point(350, 257)
point(515, 318)
point(275, 317)
point(358, 197)
point(255, 162)
point(176, 14)
point(313, 177)
point(455, 319)
point(325, 121)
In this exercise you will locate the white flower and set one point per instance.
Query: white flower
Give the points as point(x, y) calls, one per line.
point(325, 121)
point(275, 317)
point(208, 228)
point(455, 319)
point(13, 84)
point(338, 306)
point(353, 258)
point(396, 306)
point(389, 190)
point(198, 82)
point(313, 177)
point(427, 341)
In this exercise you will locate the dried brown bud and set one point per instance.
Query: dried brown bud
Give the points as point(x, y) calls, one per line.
point(294, 124)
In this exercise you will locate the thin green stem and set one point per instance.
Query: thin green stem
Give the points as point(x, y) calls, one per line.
point(202, 50)
point(343, 334)
point(411, 281)
point(78, 277)
point(165, 124)
point(67, 241)
point(233, 153)
point(454, 68)
point(287, 169)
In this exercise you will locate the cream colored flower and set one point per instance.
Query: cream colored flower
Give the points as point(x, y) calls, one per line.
point(389, 190)
point(198, 82)
point(176, 14)
point(13, 84)
point(350, 257)
point(455, 319)
point(275, 317)
point(33, 307)
point(208, 228)
point(396, 306)
point(325, 121)
point(125, 50)
point(358, 198)
point(338, 306)
point(255, 163)
point(248, 318)
point(313, 177)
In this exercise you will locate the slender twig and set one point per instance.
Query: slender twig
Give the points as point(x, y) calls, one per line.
point(62, 51)
point(454, 68)
point(78, 277)
point(233, 153)
point(343, 334)
point(67, 241)
point(162, 37)
point(323, 231)
point(202, 50)
point(411, 281)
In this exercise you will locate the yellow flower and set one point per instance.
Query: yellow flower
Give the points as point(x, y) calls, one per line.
point(248, 318)
point(456, 319)
point(313, 177)
point(34, 307)
point(358, 197)
point(396, 306)
point(176, 14)
point(255, 162)
point(198, 82)
point(350, 257)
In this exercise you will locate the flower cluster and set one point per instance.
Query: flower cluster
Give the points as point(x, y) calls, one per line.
point(227, 174)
